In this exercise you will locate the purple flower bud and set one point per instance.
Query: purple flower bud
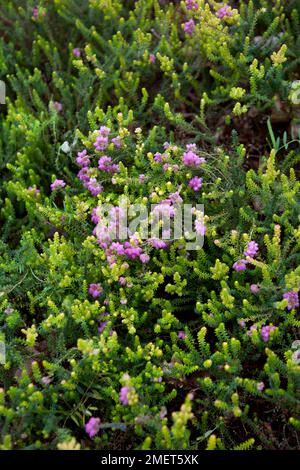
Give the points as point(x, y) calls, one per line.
point(57, 184)
point(76, 52)
point(92, 427)
point(292, 298)
point(95, 290)
point(94, 187)
point(192, 160)
point(265, 332)
point(117, 142)
point(254, 288)
point(191, 5)
point(123, 395)
point(144, 258)
point(195, 183)
point(251, 250)
point(240, 265)
point(122, 281)
point(189, 27)
point(83, 159)
point(104, 131)
point(181, 335)
point(101, 143)
point(46, 380)
point(224, 11)
point(260, 386)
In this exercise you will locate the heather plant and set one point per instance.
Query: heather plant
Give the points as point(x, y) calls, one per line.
point(99, 312)
point(143, 342)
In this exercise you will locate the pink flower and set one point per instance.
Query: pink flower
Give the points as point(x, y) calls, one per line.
point(254, 288)
point(95, 290)
point(104, 163)
point(117, 142)
point(191, 159)
point(57, 184)
point(195, 183)
point(101, 143)
point(118, 248)
point(132, 251)
point(104, 131)
point(122, 281)
point(152, 58)
point(36, 12)
point(292, 298)
point(76, 52)
point(181, 335)
point(251, 250)
point(57, 106)
point(175, 197)
point(158, 157)
point(114, 168)
point(92, 427)
point(260, 386)
point(164, 208)
point(265, 332)
point(191, 4)
point(95, 217)
point(240, 265)
point(224, 11)
point(157, 243)
point(189, 27)
point(142, 178)
point(83, 159)
point(94, 187)
point(144, 258)
point(124, 394)
point(46, 380)
point(84, 174)
point(191, 147)
point(200, 227)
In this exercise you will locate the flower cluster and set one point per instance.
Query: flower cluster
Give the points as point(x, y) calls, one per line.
point(92, 427)
point(251, 251)
point(292, 298)
point(90, 175)
point(224, 11)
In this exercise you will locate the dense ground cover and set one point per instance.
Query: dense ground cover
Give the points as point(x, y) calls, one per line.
point(146, 344)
